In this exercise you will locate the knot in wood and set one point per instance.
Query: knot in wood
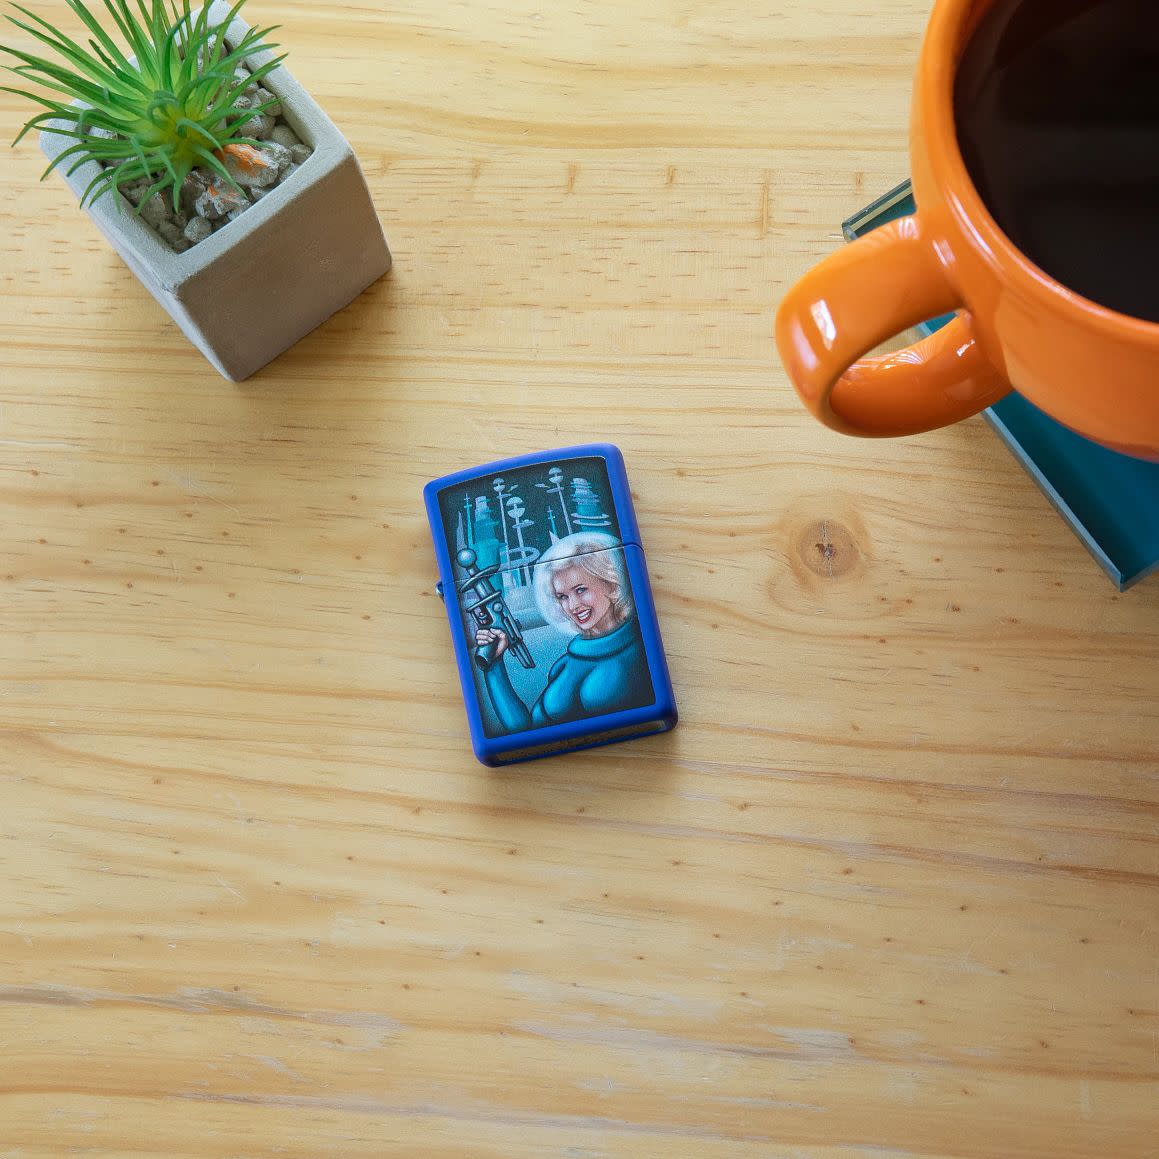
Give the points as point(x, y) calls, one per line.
point(827, 548)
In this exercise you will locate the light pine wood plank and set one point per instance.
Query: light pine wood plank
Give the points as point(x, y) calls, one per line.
point(890, 890)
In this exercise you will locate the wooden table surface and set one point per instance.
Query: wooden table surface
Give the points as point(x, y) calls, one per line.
point(889, 890)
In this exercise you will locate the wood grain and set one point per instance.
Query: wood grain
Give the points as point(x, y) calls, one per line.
point(891, 888)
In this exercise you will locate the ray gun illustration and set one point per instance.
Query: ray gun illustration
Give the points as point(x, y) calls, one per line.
point(484, 602)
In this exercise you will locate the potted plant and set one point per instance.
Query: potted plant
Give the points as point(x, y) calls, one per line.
point(217, 178)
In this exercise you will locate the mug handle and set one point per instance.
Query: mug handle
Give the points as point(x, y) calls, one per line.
point(861, 296)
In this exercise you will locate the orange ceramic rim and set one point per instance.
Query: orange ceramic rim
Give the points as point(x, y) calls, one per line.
point(939, 69)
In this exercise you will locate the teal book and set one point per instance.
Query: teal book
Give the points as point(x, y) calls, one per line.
point(1110, 501)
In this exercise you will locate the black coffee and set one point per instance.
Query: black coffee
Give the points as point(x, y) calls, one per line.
point(1057, 107)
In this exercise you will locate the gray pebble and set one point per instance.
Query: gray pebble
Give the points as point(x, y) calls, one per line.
point(264, 170)
point(258, 127)
point(135, 191)
point(192, 189)
point(266, 97)
point(155, 211)
point(198, 229)
point(299, 153)
point(290, 172)
point(218, 200)
point(286, 136)
point(234, 214)
point(173, 235)
point(279, 155)
point(257, 193)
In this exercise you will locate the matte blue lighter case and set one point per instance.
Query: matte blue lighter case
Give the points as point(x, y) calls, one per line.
point(547, 592)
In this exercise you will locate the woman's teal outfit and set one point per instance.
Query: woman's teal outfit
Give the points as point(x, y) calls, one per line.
point(594, 676)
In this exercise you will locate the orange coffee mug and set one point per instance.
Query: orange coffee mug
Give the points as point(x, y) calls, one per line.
point(1095, 370)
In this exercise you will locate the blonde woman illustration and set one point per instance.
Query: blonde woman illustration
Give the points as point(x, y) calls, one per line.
point(582, 588)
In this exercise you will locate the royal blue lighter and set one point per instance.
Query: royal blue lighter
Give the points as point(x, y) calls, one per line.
point(551, 610)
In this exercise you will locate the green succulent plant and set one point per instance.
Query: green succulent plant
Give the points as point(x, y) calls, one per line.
point(153, 109)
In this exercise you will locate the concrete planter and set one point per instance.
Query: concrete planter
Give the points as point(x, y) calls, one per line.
point(250, 291)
